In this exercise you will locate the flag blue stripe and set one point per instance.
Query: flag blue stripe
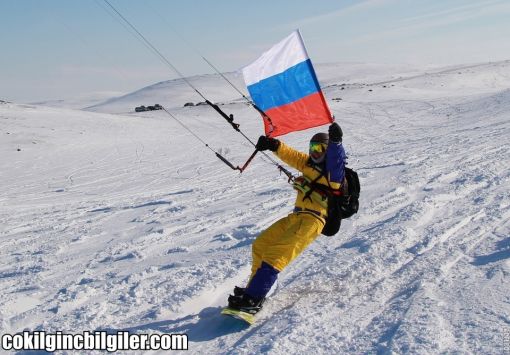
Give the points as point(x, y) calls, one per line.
point(287, 87)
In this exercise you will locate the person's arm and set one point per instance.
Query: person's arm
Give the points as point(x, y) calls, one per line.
point(335, 156)
point(335, 163)
point(292, 157)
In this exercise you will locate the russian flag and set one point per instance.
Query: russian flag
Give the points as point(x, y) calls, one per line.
point(282, 83)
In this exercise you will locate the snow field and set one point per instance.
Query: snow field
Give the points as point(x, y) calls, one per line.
point(115, 220)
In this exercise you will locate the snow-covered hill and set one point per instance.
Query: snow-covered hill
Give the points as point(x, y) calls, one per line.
point(125, 222)
point(80, 101)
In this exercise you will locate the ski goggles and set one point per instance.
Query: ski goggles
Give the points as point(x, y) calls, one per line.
point(316, 147)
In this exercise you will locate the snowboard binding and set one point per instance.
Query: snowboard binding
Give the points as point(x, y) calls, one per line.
point(243, 302)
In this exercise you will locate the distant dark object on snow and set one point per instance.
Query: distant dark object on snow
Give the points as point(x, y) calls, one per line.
point(201, 103)
point(155, 107)
point(148, 108)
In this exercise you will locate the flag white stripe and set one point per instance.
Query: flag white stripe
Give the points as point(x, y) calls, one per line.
point(283, 55)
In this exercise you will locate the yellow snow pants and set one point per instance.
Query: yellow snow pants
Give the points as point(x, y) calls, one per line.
point(284, 240)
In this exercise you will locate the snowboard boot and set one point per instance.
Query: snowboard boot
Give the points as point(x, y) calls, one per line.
point(239, 291)
point(245, 303)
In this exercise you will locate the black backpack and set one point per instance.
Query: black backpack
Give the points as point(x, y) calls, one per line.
point(344, 206)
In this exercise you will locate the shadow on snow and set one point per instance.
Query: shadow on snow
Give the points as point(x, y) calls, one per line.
point(207, 325)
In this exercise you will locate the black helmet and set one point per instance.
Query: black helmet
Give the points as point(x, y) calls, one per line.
point(320, 138)
point(318, 146)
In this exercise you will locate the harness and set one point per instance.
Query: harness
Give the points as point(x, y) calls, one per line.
point(313, 212)
point(314, 191)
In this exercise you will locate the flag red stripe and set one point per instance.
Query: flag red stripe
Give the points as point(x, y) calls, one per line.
point(310, 111)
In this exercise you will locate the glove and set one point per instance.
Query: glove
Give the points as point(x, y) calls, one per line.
point(265, 143)
point(335, 133)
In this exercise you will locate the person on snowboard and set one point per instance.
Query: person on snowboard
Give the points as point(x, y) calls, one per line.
point(323, 172)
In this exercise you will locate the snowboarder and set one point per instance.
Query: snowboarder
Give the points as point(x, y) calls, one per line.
point(323, 171)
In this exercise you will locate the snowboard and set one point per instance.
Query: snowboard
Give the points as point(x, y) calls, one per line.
point(240, 315)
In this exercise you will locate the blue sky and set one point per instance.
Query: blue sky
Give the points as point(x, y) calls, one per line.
point(58, 49)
